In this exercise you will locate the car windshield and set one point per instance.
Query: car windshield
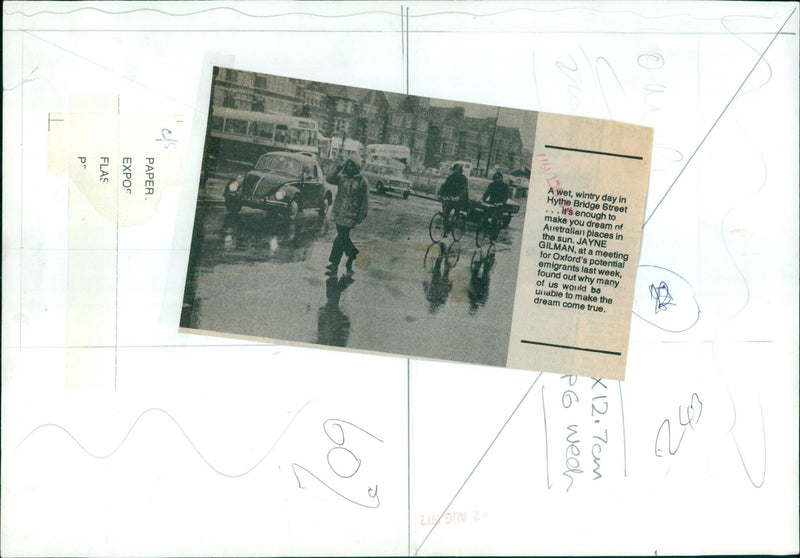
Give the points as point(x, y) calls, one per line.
point(280, 163)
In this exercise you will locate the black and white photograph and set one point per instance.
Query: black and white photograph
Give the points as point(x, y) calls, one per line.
point(345, 217)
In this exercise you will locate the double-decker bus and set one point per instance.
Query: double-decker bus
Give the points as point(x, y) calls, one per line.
point(242, 136)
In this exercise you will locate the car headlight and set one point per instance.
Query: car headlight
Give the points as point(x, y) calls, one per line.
point(234, 184)
point(280, 194)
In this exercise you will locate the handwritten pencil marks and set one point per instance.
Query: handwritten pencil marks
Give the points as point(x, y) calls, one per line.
point(344, 464)
point(162, 412)
point(584, 425)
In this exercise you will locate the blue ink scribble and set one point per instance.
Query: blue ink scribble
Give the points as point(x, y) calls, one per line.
point(168, 141)
point(670, 291)
point(662, 296)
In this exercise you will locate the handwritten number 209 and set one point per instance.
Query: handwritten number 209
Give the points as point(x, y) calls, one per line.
point(342, 461)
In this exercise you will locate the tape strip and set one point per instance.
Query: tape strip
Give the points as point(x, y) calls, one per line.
point(118, 168)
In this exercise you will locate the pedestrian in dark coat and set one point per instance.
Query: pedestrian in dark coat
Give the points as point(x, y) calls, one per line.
point(349, 209)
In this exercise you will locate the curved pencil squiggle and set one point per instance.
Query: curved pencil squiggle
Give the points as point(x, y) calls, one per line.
point(736, 264)
point(372, 12)
point(188, 439)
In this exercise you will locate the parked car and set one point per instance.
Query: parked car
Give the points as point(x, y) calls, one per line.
point(476, 209)
point(387, 176)
point(281, 183)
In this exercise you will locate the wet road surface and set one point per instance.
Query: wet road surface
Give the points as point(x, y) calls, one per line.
point(259, 276)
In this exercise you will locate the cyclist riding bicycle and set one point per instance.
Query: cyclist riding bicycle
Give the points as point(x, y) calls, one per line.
point(496, 195)
point(454, 195)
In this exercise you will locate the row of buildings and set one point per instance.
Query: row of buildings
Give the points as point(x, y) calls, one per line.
point(433, 134)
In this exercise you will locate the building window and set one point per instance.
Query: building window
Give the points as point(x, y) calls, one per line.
point(261, 129)
point(234, 126)
point(219, 96)
point(340, 125)
point(312, 99)
point(299, 137)
point(228, 100)
point(343, 105)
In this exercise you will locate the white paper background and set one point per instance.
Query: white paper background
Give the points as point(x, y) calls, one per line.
point(466, 444)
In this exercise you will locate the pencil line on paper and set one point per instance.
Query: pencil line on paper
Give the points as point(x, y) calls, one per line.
point(721, 114)
point(106, 68)
point(22, 190)
point(180, 428)
point(116, 269)
point(408, 448)
point(354, 14)
point(408, 54)
point(546, 443)
point(591, 152)
point(485, 453)
point(528, 342)
point(402, 40)
point(419, 31)
point(172, 14)
point(624, 440)
point(536, 83)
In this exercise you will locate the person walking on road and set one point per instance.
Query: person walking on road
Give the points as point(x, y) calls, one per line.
point(349, 209)
point(454, 194)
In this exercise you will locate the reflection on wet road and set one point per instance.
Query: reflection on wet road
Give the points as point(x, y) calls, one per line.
point(438, 285)
point(480, 272)
point(260, 276)
point(333, 325)
point(262, 239)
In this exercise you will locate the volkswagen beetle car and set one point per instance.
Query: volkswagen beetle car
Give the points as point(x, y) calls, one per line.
point(282, 183)
point(387, 176)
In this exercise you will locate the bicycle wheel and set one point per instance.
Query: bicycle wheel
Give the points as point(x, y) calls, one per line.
point(495, 233)
point(432, 255)
point(488, 260)
point(459, 225)
point(452, 255)
point(483, 235)
point(436, 227)
point(495, 227)
point(476, 261)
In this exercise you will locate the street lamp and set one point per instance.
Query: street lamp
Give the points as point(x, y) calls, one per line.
point(491, 147)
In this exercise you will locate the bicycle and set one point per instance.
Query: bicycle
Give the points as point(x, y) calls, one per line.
point(438, 252)
point(490, 225)
point(458, 224)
